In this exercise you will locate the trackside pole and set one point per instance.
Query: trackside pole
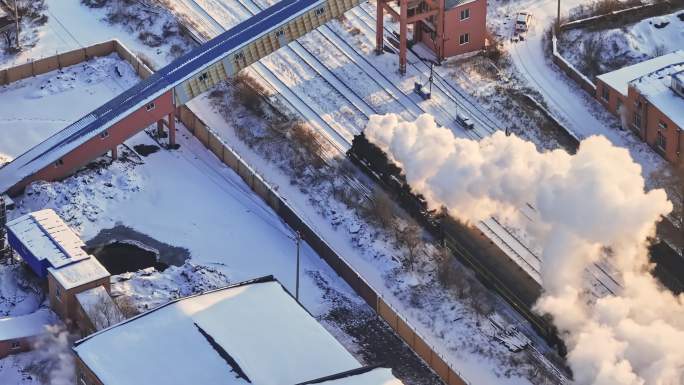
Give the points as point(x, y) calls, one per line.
point(379, 27)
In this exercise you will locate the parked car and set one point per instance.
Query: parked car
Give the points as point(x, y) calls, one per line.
point(465, 121)
point(522, 22)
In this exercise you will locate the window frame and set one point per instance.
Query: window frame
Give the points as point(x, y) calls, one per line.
point(605, 94)
point(15, 345)
point(465, 11)
point(464, 39)
point(150, 106)
point(104, 134)
point(203, 77)
point(661, 141)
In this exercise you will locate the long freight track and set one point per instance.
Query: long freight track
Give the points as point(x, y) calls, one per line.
point(185, 78)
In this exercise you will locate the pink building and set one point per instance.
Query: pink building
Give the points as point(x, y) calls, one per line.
point(447, 27)
point(649, 98)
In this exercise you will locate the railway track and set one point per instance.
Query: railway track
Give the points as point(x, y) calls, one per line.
point(410, 105)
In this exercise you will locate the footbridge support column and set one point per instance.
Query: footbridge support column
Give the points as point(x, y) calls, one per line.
point(172, 129)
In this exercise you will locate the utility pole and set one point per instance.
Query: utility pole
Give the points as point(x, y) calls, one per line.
point(298, 240)
point(16, 20)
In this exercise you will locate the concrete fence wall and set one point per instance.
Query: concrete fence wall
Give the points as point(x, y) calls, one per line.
point(399, 324)
point(644, 10)
point(69, 58)
point(570, 69)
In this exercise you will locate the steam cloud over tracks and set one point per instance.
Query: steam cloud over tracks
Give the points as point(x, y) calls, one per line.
point(591, 205)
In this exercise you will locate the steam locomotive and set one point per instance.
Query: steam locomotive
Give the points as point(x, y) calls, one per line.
point(376, 164)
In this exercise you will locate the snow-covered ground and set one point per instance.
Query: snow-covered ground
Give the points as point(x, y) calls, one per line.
point(627, 45)
point(71, 25)
point(26, 121)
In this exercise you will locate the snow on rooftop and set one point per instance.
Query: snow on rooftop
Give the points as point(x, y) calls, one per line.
point(47, 237)
point(377, 376)
point(29, 325)
point(258, 326)
point(620, 79)
point(657, 88)
point(100, 307)
point(79, 273)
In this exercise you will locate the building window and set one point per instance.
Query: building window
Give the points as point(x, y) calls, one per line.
point(280, 33)
point(104, 134)
point(662, 125)
point(661, 141)
point(637, 119)
point(150, 106)
point(465, 14)
point(16, 345)
point(82, 378)
point(320, 11)
point(59, 162)
point(605, 93)
point(203, 77)
point(464, 39)
point(58, 294)
point(239, 57)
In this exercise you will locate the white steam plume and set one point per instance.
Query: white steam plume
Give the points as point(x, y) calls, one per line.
point(588, 203)
point(54, 361)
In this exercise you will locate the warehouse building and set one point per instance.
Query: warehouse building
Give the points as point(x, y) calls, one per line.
point(252, 332)
point(649, 98)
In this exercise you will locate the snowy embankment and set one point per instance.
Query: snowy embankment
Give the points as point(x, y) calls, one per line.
point(627, 45)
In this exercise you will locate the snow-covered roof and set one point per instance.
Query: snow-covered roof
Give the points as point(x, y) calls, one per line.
point(100, 307)
point(656, 87)
point(25, 326)
point(79, 273)
point(254, 329)
point(47, 237)
point(619, 79)
point(363, 376)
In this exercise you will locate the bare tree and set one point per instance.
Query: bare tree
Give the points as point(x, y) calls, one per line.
point(480, 302)
point(104, 313)
point(591, 56)
point(127, 306)
point(380, 209)
point(410, 238)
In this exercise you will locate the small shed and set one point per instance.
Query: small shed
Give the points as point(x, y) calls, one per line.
point(43, 240)
point(17, 334)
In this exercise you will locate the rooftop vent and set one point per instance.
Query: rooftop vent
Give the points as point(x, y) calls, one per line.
point(678, 83)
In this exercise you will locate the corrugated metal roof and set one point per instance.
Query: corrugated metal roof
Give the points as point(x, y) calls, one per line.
point(47, 237)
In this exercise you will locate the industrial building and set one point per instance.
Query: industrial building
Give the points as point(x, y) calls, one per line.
point(251, 332)
point(53, 251)
point(649, 98)
point(447, 27)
